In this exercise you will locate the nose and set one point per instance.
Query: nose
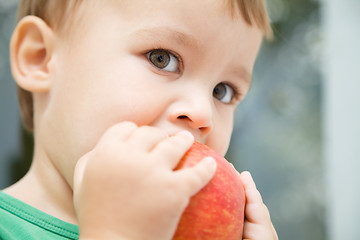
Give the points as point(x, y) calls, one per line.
point(194, 114)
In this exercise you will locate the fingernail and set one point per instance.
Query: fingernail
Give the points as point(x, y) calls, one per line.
point(186, 133)
point(248, 173)
point(210, 160)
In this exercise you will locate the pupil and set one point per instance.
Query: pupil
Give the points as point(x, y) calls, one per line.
point(160, 58)
point(219, 91)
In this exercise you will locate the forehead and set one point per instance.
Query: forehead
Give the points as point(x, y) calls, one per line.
point(207, 17)
point(204, 26)
point(185, 10)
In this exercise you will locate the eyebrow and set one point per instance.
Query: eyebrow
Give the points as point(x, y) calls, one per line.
point(242, 73)
point(159, 34)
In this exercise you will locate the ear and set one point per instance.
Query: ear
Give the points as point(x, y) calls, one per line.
point(31, 49)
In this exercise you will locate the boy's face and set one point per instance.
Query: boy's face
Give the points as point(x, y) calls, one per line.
point(174, 65)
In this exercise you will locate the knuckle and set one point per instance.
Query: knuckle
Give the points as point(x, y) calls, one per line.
point(123, 125)
point(196, 182)
point(176, 196)
point(154, 132)
point(127, 124)
point(118, 129)
point(172, 147)
point(184, 140)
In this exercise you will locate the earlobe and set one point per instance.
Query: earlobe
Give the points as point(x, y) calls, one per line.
point(31, 50)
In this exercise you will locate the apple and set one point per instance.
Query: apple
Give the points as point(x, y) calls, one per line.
point(217, 210)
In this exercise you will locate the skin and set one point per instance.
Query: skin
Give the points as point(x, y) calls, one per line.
point(110, 124)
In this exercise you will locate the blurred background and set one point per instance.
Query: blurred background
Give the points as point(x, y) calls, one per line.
point(297, 131)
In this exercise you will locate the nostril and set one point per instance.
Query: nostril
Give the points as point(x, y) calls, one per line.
point(205, 130)
point(196, 123)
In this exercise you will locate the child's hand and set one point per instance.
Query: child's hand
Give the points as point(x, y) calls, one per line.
point(258, 225)
point(125, 188)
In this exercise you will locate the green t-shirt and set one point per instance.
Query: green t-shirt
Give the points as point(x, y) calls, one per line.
point(19, 220)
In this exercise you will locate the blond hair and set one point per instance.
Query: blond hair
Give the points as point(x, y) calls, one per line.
point(53, 12)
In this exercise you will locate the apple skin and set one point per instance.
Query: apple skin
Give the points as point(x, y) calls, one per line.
point(217, 210)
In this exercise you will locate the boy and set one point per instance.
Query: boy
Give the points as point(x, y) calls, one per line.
point(115, 93)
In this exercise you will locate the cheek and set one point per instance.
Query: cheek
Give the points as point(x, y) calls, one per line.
point(92, 96)
point(82, 128)
point(221, 135)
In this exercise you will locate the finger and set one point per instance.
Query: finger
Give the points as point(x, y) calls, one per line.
point(256, 231)
point(257, 213)
point(172, 149)
point(252, 194)
point(146, 137)
point(258, 223)
point(247, 180)
point(194, 178)
point(255, 210)
point(120, 131)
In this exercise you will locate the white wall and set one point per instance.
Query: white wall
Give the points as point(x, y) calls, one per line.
point(341, 20)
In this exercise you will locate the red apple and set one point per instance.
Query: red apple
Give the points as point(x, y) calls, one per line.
point(217, 211)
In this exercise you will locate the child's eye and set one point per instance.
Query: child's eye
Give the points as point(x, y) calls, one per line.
point(163, 60)
point(224, 93)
